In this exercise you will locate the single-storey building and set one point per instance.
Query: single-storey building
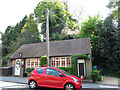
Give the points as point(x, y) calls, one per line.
point(29, 55)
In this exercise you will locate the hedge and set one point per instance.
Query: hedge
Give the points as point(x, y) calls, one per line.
point(43, 61)
point(28, 71)
point(74, 62)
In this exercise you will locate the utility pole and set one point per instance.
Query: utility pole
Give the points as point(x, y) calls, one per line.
point(47, 33)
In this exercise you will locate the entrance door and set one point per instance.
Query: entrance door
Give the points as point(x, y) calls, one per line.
point(81, 69)
point(17, 67)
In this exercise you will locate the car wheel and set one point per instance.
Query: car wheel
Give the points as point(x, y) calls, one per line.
point(33, 84)
point(69, 86)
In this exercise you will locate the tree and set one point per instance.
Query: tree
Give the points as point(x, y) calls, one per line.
point(10, 36)
point(116, 8)
point(55, 24)
point(90, 28)
point(6, 39)
point(17, 29)
point(27, 34)
point(30, 31)
point(109, 46)
point(109, 41)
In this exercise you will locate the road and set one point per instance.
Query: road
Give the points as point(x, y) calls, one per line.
point(12, 85)
point(19, 86)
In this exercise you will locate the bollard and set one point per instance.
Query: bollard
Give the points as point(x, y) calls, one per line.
point(101, 78)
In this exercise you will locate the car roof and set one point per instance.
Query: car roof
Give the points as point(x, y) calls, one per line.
point(46, 67)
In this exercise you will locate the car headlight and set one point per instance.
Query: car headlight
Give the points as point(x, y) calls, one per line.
point(74, 79)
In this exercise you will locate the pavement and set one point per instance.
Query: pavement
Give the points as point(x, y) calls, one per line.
point(111, 80)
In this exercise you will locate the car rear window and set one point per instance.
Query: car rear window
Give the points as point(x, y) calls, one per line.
point(40, 70)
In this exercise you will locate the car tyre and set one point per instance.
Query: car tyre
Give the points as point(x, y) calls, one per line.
point(32, 84)
point(69, 86)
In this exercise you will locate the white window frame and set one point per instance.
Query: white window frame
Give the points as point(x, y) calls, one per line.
point(34, 62)
point(55, 58)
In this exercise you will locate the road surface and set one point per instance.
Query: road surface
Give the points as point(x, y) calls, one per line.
point(19, 86)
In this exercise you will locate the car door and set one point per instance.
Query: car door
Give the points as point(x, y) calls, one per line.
point(53, 78)
point(40, 76)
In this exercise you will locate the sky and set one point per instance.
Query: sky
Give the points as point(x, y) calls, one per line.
point(13, 11)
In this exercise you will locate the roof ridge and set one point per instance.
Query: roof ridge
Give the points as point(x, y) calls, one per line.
point(55, 41)
point(33, 43)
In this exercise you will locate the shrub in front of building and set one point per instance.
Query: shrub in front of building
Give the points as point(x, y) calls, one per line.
point(28, 71)
point(95, 75)
point(43, 61)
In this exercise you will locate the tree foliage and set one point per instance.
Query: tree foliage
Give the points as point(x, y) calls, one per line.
point(105, 42)
point(109, 46)
point(55, 24)
point(0, 55)
point(11, 34)
point(24, 32)
point(30, 32)
point(116, 8)
point(90, 28)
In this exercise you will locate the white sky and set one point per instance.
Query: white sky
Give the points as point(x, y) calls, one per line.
point(12, 11)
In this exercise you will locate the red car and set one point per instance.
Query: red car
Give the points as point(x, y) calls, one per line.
point(53, 78)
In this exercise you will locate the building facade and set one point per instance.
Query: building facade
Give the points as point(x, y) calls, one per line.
point(29, 55)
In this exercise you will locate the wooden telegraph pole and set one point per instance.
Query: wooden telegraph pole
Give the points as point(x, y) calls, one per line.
point(47, 33)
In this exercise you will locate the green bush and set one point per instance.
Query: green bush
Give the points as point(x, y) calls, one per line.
point(74, 62)
point(95, 75)
point(29, 69)
point(43, 61)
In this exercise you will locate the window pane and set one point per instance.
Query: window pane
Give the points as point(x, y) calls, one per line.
point(63, 63)
point(53, 62)
point(68, 62)
point(52, 72)
point(57, 62)
point(40, 70)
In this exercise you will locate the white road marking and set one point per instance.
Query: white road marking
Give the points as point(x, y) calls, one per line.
point(108, 86)
point(12, 85)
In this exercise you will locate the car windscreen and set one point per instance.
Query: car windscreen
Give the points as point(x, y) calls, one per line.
point(64, 72)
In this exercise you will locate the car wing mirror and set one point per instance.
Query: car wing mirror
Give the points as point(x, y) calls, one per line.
point(60, 75)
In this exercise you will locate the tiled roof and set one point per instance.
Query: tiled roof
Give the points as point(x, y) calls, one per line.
point(57, 48)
